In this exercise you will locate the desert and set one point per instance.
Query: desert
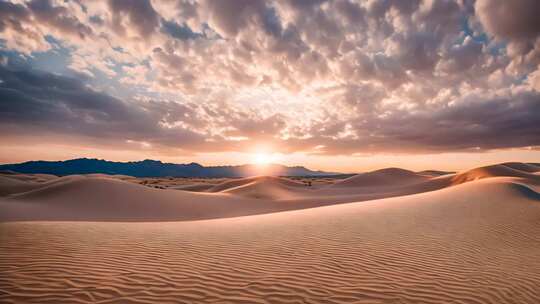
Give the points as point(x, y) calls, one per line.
point(388, 236)
point(270, 151)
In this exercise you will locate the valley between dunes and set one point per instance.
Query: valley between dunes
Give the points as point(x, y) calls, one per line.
point(387, 236)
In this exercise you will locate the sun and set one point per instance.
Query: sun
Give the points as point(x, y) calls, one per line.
point(262, 158)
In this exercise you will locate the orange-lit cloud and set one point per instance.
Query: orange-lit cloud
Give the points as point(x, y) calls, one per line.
point(188, 79)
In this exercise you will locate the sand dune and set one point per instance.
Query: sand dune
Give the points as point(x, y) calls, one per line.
point(494, 171)
point(111, 199)
point(115, 176)
point(105, 199)
point(10, 185)
point(240, 182)
point(266, 187)
point(96, 199)
point(384, 177)
point(522, 166)
point(473, 243)
point(197, 187)
point(29, 177)
point(396, 182)
point(17, 183)
point(434, 173)
point(388, 236)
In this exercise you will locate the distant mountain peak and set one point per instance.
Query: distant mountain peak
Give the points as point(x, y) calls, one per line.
point(153, 168)
point(150, 161)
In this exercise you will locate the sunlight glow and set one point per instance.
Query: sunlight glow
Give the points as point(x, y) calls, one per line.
point(263, 158)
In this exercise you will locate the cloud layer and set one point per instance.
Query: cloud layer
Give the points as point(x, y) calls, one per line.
point(319, 77)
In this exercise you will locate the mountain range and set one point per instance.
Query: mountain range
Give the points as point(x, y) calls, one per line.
point(155, 168)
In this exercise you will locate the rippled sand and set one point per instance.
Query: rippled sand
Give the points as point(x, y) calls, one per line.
point(474, 243)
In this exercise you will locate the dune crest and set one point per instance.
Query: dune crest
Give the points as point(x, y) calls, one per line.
point(495, 171)
point(10, 185)
point(267, 187)
point(117, 198)
point(383, 177)
point(228, 185)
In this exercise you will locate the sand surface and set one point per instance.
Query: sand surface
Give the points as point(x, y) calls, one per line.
point(469, 237)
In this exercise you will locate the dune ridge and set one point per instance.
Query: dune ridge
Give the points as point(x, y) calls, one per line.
point(511, 170)
point(382, 177)
point(228, 185)
point(117, 198)
point(13, 184)
point(109, 199)
point(267, 188)
point(9, 185)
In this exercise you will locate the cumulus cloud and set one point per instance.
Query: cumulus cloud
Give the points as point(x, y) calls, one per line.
point(17, 30)
point(58, 17)
point(510, 19)
point(336, 77)
point(517, 23)
point(134, 14)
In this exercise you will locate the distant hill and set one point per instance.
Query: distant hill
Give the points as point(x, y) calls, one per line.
point(154, 168)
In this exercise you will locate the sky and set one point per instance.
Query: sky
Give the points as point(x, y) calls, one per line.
point(334, 85)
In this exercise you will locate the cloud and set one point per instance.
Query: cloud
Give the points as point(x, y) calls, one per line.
point(17, 32)
point(461, 57)
point(517, 23)
point(182, 32)
point(510, 19)
point(229, 17)
point(478, 123)
point(344, 76)
point(58, 17)
point(136, 14)
point(34, 101)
